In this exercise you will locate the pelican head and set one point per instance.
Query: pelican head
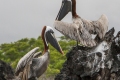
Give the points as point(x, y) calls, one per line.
point(49, 37)
point(65, 8)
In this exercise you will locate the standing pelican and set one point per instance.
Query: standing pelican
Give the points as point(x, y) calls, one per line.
point(80, 30)
point(30, 65)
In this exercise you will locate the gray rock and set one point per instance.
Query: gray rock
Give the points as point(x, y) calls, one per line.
point(101, 62)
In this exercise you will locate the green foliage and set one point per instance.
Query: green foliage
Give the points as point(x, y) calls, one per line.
point(12, 52)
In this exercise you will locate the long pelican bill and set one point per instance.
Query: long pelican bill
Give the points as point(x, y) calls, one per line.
point(65, 8)
point(53, 41)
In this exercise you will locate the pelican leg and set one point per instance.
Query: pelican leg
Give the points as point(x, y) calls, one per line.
point(77, 44)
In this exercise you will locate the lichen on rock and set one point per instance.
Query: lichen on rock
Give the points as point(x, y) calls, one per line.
point(96, 63)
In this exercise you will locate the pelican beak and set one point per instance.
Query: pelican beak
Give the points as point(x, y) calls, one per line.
point(53, 41)
point(65, 8)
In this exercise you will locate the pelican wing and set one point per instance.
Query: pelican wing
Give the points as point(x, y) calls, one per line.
point(39, 65)
point(86, 38)
point(85, 28)
point(75, 31)
point(25, 60)
point(88, 25)
point(68, 29)
point(37, 54)
point(101, 26)
point(25, 72)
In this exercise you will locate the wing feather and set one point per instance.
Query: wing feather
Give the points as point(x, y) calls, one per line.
point(87, 38)
point(85, 29)
point(88, 25)
point(101, 26)
point(37, 54)
point(24, 60)
point(68, 29)
point(75, 31)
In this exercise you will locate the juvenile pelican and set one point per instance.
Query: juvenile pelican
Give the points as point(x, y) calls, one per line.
point(80, 30)
point(30, 65)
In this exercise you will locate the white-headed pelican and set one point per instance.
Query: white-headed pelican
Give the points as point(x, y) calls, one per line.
point(30, 66)
point(80, 30)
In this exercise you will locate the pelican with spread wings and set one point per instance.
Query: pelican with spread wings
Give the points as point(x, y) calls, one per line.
point(81, 29)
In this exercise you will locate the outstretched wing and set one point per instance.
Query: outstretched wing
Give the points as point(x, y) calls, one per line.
point(85, 28)
point(101, 26)
point(25, 60)
point(75, 31)
point(86, 38)
point(68, 29)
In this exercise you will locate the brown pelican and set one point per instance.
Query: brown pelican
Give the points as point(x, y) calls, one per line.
point(30, 65)
point(80, 30)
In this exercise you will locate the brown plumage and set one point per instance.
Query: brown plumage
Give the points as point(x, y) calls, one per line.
point(31, 65)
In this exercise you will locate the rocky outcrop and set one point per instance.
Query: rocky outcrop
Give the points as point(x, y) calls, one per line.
point(101, 62)
point(6, 71)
